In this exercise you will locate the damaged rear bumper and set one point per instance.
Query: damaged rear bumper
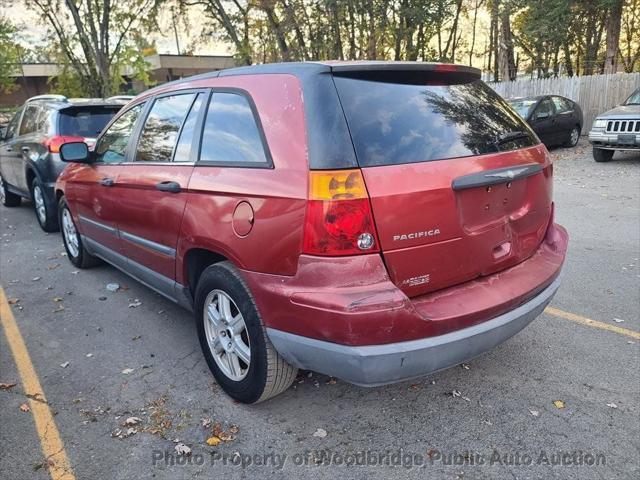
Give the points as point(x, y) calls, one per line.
point(381, 364)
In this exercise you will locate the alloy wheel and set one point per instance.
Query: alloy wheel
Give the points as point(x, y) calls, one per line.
point(41, 209)
point(70, 233)
point(227, 335)
point(575, 136)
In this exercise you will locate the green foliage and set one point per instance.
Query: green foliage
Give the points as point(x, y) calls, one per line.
point(9, 55)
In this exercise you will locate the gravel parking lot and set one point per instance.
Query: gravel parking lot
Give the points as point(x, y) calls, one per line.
point(104, 357)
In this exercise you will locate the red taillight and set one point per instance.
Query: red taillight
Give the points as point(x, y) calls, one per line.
point(54, 143)
point(339, 219)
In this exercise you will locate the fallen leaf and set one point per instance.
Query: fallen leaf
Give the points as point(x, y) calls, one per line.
point(182, 449)
point(206, 422)
point(414, 386)
point(113, 287)
point(57, 299)
point(14, 301)
point(35, 279)
point(456, 394)
point(24, 407)
point(53, 267)
point(612, 405)
point(7, 386)
point(213, 441)
point(331, 381)
point(320, 433)
point(486, 422)
point(234, 429)
point(135, 303)
point(618, 320)
point(60, 308)
point(535, 413)
point(64, 365)
point(132, 421)
point(127, 371)
point(89, 355)
point(137, 337)
point(465, 366)
point(558, 403)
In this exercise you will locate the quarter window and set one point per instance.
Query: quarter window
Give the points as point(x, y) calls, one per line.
point(231, 134)
point(112, 146)
point(160, 132)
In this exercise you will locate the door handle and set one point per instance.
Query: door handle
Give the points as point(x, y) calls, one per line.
point(172, 187)
point(25, 149)
point(107, 182)
point(9, 149)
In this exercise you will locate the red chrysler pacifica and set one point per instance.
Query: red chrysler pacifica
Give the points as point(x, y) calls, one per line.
point(373, 221)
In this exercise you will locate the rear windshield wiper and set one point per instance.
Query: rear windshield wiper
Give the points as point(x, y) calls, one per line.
point(508, 137)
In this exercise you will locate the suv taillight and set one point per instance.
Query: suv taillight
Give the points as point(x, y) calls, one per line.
point(339, 219)
point(54, 143)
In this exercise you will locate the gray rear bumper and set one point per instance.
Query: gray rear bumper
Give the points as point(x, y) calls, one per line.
point(394, 362)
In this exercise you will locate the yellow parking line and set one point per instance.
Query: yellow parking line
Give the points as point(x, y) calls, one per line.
point(592, 323)
point(50, 441)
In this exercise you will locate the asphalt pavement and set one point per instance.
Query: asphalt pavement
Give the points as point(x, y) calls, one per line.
point(127, 386)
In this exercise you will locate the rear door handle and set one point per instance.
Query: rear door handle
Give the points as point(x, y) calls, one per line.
point(172, 187)
point(107, 182)
point(25, 149)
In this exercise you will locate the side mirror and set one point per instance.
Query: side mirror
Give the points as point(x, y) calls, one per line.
point(542, 115)
point(77, 152)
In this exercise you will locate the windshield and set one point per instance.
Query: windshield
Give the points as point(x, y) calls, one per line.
point(396, 123)
point(522, 106)
point(634, 99)
point(85, 121)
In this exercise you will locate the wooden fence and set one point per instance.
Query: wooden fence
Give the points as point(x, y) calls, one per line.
point(595, 94)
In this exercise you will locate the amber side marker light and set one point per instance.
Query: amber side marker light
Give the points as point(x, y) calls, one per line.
point(339, 219)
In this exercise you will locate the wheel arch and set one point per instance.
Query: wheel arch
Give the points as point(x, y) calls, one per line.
point(195, 261)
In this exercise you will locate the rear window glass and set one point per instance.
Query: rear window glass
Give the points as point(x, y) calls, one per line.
point(394, 123)
point(85, 121)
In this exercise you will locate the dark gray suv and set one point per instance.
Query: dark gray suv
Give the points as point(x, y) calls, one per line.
point(30, 145)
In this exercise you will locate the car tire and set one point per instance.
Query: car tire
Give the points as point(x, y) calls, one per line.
point(76, 251)
point(602, 155)
point(7, 198)
point(574, 137)
point(45, 214)
point(266, 374)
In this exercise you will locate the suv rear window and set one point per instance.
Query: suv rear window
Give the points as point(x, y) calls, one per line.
point(85, 121)
point(395, 123)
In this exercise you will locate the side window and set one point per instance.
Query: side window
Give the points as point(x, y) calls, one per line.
point(183, 149)
point(160, 132)
point(561, 104)
point(545, 109)
point(12, 128)
point(112, 146)
point(231, 134)
point(30, 120)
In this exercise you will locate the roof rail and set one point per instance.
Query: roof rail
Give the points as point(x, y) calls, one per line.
point(55, 98)
point(119, 98)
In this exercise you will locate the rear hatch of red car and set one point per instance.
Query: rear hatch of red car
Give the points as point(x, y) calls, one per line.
point(459, 185)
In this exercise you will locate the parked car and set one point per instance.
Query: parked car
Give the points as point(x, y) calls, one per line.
point(30, 145)
point(555, 119)
point(617, 129)
point(373, 221)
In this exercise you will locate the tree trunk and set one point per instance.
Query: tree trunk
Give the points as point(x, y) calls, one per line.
point(613, 37)
point(507, 61)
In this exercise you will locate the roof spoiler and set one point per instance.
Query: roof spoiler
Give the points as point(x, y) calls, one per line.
point(51, 97)
point(418, 73)
point(120, 98)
